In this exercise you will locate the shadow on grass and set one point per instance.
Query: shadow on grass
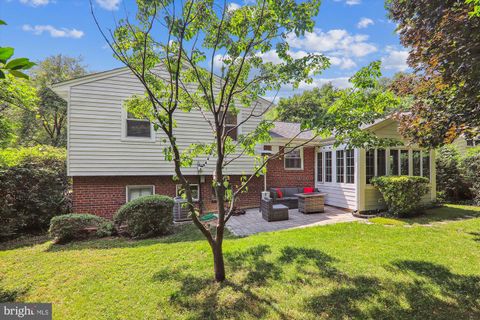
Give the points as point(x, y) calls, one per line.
point(181, 233)
point(25, 241)
point(445, 213)
point(476, 236)
point(11, 295)
point(259, 280)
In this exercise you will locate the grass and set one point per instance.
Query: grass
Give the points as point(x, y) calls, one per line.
point(351, 270)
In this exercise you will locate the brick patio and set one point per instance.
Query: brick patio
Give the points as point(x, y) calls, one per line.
point(252, 221)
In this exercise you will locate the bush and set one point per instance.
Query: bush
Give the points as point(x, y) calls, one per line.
point(402, 194)
point(451, 183)
point(75, 226)
point(471, 170)
point(33, 188)
point(146, 216)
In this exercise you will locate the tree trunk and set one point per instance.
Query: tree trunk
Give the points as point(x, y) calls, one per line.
point(218, 264)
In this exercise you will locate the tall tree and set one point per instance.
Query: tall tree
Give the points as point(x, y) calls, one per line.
point(187, 41)
point(444, 42)
point(47, 124)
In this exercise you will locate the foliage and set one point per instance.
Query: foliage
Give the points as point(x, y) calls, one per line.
point(471, 168)
point(351, 271)
point(201, 39)
point(147, 216)
point(444, 55)
point(33, 188)
point(402, 194)
point(303, 106)
point(74, 226)
point(451, 183)
point(14, 67)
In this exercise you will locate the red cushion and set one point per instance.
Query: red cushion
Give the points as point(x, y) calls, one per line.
point(279, 193)
point(308, 190)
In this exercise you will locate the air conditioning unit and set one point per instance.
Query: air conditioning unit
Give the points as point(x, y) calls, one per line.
point(180, 210)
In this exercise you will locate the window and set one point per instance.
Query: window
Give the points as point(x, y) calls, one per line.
point(194, 187)
point(381, 162)
point(320, 167)
point(416, 160)
point(293, 158)
point(404, 167)
point(340, 167)
point(230, 124)
point(393, 160)
point(350, 165)
point(370, 165)
point(426, 164)
point(134, 192)
point(139, 128)
point(328, 166)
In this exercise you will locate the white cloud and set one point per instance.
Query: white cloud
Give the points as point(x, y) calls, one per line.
point(337, 42)
point(54, 32)
point(233, 6)
point(350, 2)
point(342, 62)
point(340, 82)
point(109, 4)
point(395, 59)
point(364, 23)
point(35, 3)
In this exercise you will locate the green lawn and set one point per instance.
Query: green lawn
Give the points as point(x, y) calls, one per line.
point(424, 268)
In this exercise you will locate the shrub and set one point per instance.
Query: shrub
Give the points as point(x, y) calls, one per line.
point(451, 183)
point(146, 216)
point(33, 188)
point(402, 194)
point(76, 226)
point(471, 170)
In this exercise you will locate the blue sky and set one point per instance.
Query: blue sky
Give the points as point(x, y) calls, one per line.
point(351, 32)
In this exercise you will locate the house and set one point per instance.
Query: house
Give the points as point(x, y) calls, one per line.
point(113, 157)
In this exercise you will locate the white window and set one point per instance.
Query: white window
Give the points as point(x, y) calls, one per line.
point(350, 166)
point(195, 191)
point(134, 192)
point(340, 166)
point(319, 167)
point(328, 166)
point(137, 128)
point(293, 159)
point(370, 164)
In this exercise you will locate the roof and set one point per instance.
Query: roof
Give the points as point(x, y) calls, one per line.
point(289, 130)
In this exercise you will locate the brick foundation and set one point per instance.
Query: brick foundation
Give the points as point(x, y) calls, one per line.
point(104, 195)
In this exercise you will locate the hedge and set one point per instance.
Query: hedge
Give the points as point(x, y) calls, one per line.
point(402, 194)
point(146, 216)
point(75, 226)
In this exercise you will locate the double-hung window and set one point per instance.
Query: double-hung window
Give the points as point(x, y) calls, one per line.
point(328, 166)
point(138, 128)
point(340, 166)
point(293, 159)
point(231, 123)
point(195, 191)
point(350, 166)
point(134, 192)
point(319, 167)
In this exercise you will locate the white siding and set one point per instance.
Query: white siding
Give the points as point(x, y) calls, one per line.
point(97, 146)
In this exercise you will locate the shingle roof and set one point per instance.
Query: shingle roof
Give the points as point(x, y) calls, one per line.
point(289, 130)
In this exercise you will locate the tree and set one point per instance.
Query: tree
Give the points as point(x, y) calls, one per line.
point(12, 66)
point(302, 106)
point(187, 42)
point(445, 55)
point(47, 123)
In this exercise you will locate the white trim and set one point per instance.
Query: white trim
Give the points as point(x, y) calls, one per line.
point(68, 131)
point(130, 187)
point(285, 158)
point(124, 136)
point(178, 186)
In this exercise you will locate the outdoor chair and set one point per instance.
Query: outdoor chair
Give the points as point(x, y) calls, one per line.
point(273, 212)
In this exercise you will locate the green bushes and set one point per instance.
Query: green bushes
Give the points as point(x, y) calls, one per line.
point(451, 183)
point(33, 188)
point(146, 216)
point(402, 194)
point(471, 169)
point(76, 226)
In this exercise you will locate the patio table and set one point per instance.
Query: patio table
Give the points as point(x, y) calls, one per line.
point(313, 202)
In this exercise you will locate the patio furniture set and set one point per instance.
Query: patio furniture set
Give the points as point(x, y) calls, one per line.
point(307, 200)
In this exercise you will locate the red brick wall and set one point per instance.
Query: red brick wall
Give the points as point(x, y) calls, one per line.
point(277, 176)
point(104, 195)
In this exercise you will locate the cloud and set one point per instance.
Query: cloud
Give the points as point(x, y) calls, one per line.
point(350, 2)
point(110, 5)
point(342, 62)
point(395, 59)
point(340, 82)
point(364, 23)
point(35, 3)
point(54, 32)
point(233, 6)
point(338, 42)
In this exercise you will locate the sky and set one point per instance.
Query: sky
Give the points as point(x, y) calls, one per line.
point(352, 33)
